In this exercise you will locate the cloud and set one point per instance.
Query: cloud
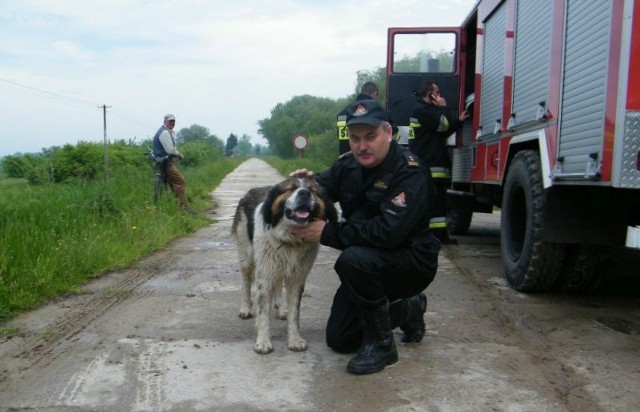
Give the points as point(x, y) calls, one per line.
point(70, 50)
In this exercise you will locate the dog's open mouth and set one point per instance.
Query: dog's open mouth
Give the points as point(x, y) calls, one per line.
point(300, 215)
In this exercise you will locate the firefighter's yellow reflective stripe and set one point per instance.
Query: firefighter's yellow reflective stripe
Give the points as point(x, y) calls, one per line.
point(438, 223)
point(343, 132)
point(440, 173)
point(414, 124)
point(444, 124)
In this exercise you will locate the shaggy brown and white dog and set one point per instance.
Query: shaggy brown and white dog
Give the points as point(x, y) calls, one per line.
point(271, 257)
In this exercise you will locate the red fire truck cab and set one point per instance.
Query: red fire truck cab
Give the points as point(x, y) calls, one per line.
point(553, 87)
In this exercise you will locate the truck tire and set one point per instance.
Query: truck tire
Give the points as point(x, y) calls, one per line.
point(530, 264)
point(584, 268)
point(459, 220)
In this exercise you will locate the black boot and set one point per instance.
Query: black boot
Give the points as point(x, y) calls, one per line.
point(408, 314)
point(378, 348)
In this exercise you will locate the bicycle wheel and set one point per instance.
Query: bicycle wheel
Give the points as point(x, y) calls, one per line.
point(159, 186)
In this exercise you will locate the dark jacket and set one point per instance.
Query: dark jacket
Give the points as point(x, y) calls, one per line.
point(430, 138)
point(158, 149)
point(388, 209)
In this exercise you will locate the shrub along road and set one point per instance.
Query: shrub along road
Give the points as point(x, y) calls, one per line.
point(165, 335)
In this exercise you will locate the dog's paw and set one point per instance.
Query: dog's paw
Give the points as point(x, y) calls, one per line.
point(245, 313)
point(297, 344)
point(263, 346)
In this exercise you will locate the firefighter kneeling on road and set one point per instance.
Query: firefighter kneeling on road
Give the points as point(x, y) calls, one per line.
point(432, 122)
point(388, 254)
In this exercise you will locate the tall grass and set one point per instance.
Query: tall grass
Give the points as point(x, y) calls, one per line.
point(54, 237)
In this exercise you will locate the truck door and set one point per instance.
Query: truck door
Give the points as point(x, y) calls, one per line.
point(413, 56)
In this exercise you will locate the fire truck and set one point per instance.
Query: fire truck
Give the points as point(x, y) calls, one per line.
point(553, 143)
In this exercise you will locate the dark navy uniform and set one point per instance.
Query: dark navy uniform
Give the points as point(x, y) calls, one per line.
point(430, 127)
point(387, 247)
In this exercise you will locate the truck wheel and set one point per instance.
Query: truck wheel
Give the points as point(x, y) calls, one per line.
point(530, 264)
point(459, 220)
point(584, 268)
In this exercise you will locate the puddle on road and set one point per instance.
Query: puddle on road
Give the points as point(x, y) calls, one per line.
point(620, 325)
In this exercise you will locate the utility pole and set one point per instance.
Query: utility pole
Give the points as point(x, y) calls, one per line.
point(106, 142)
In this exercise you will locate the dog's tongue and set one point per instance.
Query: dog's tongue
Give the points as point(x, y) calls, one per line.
point(301, 214)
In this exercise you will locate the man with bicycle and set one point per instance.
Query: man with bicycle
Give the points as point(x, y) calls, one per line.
point(165, 150)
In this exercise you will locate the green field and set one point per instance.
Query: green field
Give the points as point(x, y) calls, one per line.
point(56, 236)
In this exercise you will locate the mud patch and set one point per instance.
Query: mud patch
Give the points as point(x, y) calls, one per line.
point(620, 325)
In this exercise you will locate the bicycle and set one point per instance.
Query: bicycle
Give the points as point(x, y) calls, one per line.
point(160, 184)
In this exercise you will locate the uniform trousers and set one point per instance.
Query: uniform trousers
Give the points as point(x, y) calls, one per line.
point(369, 274)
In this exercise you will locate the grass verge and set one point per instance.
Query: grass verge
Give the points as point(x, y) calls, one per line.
point(55, 237)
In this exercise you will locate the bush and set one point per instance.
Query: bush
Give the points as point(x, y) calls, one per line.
point(20, 166)
point(199, 153)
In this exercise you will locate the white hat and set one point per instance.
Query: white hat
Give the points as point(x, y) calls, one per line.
point(169, 117)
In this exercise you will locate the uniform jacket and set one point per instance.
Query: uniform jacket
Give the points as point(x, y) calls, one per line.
point(388, 209)
point(430, 141)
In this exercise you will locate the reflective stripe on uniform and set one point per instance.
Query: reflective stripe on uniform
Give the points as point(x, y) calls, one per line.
point(414, 125)
point(444, 124)
point(343, 133)
point(440, 173)
point(438, 223)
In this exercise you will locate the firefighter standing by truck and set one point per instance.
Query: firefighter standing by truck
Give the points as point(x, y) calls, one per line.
point(432, 122)
point(368, 91)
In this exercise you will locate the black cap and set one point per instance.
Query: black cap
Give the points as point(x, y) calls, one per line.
point(367, 112)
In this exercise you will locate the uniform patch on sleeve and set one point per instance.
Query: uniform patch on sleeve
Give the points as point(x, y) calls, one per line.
point(400, 200)
point(412, 162)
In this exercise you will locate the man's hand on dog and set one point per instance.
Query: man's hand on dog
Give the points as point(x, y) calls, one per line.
point(310, 232)
point(302, 173)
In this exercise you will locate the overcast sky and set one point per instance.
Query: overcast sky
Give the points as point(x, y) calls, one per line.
point(220, 64)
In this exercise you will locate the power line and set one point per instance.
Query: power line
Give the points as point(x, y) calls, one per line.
point(132, 119)
point(40, 94)
point(21, 89)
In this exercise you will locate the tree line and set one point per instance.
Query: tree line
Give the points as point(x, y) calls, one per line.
point(314, 117)
point(86, 160)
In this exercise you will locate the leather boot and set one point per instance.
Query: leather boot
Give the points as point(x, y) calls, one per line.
point(408, 314)
point(378, 348)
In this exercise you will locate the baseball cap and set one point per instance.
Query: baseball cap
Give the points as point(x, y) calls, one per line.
point(367, 112)
point(169, 117)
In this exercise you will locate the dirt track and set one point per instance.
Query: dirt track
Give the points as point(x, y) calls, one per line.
point(165, 336)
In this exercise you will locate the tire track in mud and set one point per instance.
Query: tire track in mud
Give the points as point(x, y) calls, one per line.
point(566, 385)
point(40, 348)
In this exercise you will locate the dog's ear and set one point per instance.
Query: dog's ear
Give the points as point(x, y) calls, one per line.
point(330, 212)
point(267, 207)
